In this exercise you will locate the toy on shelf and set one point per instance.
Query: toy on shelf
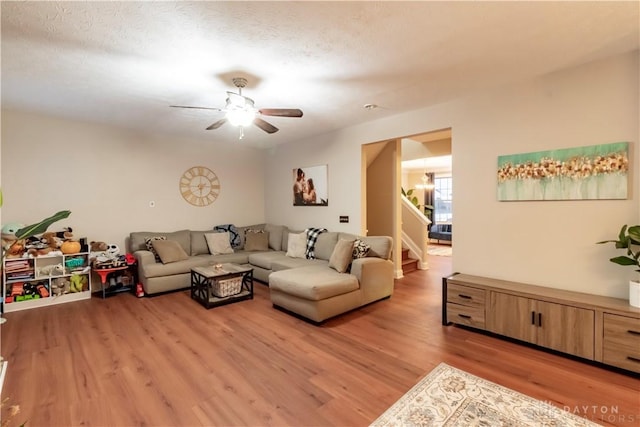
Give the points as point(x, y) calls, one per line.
point(106, 256)
point(79, 283)
point(60, 286)
point(8, 233)
point(51, 270)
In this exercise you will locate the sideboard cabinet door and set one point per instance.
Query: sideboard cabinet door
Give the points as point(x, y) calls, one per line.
point(556, 326)
point(565, 328)
point(510, 315)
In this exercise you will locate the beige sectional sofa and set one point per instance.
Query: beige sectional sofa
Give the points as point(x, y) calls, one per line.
point(307, 287)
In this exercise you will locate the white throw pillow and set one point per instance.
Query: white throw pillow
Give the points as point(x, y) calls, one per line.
point(297, 245)
point(218, 243)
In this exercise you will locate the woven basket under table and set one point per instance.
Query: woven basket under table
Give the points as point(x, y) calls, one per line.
point(226, 287)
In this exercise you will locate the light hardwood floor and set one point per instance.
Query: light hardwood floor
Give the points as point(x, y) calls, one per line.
point(166, 361)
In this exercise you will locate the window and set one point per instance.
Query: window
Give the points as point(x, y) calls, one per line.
point(442, 199)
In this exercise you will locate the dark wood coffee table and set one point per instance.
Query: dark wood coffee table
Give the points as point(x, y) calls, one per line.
point(213, 287)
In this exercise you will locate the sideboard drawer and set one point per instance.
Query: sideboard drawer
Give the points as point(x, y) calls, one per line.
point(465, 295)
point(465, 315)
point(621, 343)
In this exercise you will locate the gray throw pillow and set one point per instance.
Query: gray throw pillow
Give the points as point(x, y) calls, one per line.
point(169, 251)
point(256, 242)
point(341, 256)
point(149, 244)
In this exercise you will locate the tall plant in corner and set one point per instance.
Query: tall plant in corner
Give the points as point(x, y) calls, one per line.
point(629, 239)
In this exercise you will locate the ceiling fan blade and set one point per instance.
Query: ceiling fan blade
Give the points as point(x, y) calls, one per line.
point(196, 108)
point(281, 112)
point(217, 124)
point(265, 126)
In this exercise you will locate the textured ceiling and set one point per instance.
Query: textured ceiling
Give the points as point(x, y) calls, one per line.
point(124, 63)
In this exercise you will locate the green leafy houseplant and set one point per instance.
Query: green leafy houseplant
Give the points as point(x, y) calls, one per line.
point(627, 238)
point(39, 227)
point(409, 195)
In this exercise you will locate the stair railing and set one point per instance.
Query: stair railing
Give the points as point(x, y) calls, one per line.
point(415, 229)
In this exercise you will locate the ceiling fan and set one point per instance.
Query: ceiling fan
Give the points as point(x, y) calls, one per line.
point(241, 111)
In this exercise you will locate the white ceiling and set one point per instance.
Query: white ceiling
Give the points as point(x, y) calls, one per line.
point(124, 63)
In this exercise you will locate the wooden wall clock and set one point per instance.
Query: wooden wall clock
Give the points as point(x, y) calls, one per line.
point(199, 186)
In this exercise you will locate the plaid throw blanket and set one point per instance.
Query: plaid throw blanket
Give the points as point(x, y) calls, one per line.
point(312, 236)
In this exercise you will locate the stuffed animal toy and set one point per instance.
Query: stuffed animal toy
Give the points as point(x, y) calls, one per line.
point(97, 249)
point(16, 249)
point(66, 234)
point(113, 250)
point(79, 283)
point(51, 239)
point(98, 246)
point(9, 234)
point(36, 252)
point(60, 286)
point(51, 270)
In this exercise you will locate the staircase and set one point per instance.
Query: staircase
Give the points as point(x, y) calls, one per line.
point(408, 264)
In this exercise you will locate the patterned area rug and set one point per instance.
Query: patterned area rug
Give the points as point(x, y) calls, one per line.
point(440, 250)
point(450, 397)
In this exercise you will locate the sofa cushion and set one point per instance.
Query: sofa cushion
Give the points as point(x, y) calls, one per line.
point(169, 250)
point(239, 257)
point(275, 236)
point(158, 269)
point(297, 245)
point(199, 243)
point(234, 236)
point(324, 244)
point(137, 239)
point(256, 241)
point(285, 263)
point(218, 243)
point(380, 246)
point(315, 282)
point(264, 259)
point(342, 255)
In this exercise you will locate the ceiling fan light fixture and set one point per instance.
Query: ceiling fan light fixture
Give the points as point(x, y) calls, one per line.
point(241, 116)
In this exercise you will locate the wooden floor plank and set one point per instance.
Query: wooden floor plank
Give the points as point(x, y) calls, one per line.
point(167, 361)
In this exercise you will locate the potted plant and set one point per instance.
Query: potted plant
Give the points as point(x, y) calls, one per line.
point(30, 231)
point(629, 239)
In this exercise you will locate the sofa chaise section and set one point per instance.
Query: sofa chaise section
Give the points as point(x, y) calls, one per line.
point(319, 292)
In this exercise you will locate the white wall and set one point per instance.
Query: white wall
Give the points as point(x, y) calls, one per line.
point(546, 243)
point(108, 176)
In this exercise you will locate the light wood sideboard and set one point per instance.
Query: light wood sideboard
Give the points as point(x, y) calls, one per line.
point(592, 327)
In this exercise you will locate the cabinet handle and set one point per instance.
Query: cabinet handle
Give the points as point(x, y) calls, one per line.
point(633, 332)
point(633, 359)
point(540, 319)
point(464, 316)
point(533, 318)
point(464, 296)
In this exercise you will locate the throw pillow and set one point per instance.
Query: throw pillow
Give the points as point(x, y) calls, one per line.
point(360, 249)
point(218, 243)
point(169, 250)
point(149, 245)
point(256, 241)
point(297, 245)
point(342, 255)
point(234, 235)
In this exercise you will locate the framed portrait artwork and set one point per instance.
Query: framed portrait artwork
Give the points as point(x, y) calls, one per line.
point(310, 186)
